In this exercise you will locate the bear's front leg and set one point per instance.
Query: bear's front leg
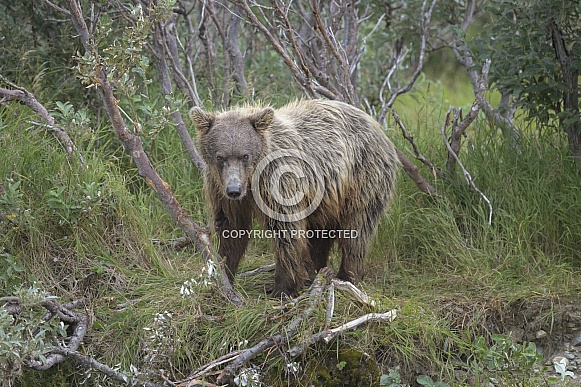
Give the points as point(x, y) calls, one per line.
point(233, 231)
point(292, 259)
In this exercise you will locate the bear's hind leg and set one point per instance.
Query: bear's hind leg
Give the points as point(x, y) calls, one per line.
point(292, 260)
point(354, 249)
point(319, 249)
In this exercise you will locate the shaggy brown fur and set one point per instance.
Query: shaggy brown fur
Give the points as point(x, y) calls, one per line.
point(355, 166)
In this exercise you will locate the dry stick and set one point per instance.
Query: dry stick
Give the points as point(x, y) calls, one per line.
point(211, 365)
point(464, 171)
point(414, 173)
point(329, 334)
point(416, 151)
point(23, 95)
point(353, 291)
point(134, 146)
point(316, 293)
point(459, 130)
point(262, 269)
point(90, 363)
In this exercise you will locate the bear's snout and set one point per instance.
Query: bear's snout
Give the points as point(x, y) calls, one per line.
point(234, 190)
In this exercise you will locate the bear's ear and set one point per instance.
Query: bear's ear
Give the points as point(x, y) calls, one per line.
point(202, 119)
point(262, 119)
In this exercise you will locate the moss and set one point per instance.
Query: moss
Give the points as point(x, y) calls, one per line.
point(345, 367)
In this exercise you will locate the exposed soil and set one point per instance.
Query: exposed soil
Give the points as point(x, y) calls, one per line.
point(553, 324)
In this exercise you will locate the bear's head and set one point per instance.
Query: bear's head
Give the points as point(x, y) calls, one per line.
point(231, 143)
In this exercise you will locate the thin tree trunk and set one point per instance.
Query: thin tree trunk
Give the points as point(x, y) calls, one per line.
point(571, 124)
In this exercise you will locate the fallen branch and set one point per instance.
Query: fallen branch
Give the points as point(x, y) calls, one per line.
point(26, 97)
point(330, 334)
point(353, 291)
point(88, 362)
point(210, 366)
point(134, 146)
point(323, 283)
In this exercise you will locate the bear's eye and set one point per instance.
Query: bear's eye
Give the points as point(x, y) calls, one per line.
point(245, 158)
point(219, 159)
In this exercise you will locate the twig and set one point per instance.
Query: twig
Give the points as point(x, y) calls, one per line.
point(416, 151)
point(353, 291)
point(425, 26)
point(52, 5)
point(464, 171)
point(174, 244)
point(211, 365)
point(262, 269)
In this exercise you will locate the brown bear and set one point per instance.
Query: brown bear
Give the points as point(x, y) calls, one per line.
point(312, 172)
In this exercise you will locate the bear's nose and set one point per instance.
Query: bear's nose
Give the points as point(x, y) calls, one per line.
point(233, 190)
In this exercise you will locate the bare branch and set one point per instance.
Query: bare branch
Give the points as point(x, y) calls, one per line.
point(493, 116)
point(353, 291)
point(459, 130)
point(23, 95)
point(166, 90)
point(261, 269)
point(414, 173)
point(52, 5)
point(467, 175)
point(410, 138)
point(299, 74)
point(425, 25)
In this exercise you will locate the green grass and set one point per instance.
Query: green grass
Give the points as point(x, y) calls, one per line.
point(434, 259)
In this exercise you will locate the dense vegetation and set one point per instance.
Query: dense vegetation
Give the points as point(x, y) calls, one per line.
point(470, 296)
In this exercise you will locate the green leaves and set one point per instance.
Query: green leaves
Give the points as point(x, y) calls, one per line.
point(523, 53)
